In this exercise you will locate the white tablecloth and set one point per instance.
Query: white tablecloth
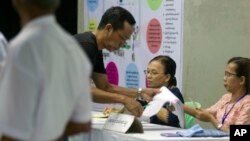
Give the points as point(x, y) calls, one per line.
point(151, 133)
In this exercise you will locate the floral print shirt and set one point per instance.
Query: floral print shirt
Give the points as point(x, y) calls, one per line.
point(238, 115)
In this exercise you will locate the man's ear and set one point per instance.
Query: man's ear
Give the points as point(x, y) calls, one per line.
point(109, 27)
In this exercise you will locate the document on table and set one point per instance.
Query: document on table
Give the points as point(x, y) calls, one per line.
point(159, 100)
point(98, 120)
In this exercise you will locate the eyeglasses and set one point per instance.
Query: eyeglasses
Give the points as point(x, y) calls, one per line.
point(228, 74)
point(152, 73)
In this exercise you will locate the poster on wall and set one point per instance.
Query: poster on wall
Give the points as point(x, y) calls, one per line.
point(158, 31)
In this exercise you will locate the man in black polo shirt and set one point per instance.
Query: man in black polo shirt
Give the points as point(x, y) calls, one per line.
point(115, 28)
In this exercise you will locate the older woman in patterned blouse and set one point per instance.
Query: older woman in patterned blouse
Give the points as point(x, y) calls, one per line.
point(234, 107)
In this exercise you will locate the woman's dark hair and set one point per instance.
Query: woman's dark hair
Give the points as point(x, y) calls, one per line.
point(242, 69)
point(169, 67)
point(116, 16)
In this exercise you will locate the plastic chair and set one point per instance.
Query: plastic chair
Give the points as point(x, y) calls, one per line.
point(190, 120)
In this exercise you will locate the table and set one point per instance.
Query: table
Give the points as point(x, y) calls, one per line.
point(151, 133)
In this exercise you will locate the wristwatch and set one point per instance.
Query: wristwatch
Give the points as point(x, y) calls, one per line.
point(139, 92)
point(219, 126)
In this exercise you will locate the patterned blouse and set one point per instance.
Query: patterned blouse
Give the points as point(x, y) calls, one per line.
point(240, 113)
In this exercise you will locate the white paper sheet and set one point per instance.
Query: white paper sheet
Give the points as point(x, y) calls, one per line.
point(159, 100)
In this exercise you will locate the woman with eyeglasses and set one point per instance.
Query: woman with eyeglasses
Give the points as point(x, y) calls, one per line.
point(161, 72)
point(234, 107)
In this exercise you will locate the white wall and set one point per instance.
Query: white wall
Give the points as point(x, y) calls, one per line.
point(214, 31)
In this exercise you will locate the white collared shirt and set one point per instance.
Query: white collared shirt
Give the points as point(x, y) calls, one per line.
point(44, 84)
point(3, 46)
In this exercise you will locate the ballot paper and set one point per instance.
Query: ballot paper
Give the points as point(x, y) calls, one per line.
point(159, 100)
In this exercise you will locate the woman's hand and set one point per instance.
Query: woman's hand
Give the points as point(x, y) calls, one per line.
point(204, 115)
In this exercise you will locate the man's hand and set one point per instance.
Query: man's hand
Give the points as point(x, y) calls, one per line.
point(133, 106)
point(148, 93)
point(109, 110)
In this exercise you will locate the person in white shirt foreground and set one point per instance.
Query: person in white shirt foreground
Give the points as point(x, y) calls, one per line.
point(45, 83)
point(3, 48)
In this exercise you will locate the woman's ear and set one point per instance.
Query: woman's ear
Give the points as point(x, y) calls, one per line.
point(167, 79)
point(242, 80)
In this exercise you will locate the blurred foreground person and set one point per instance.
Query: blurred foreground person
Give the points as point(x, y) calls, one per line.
point(44, 87)
point(3, 47)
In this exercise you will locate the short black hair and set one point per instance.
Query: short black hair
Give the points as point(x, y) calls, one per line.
point(116, 16)
point(45, 4)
